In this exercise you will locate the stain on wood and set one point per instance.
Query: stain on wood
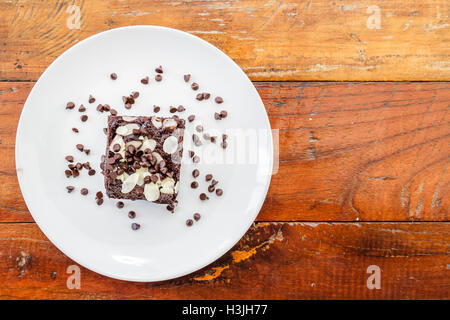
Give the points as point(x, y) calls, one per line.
point(270, 40)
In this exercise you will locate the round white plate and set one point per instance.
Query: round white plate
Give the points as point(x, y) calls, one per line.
point(100, 237)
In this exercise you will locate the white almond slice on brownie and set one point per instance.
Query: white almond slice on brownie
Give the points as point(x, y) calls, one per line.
point(122, 177)
point(169, 124)
point(157, 122)
point(148, 144)
point(157, 156)
point(127, 129)
point(170, 145)
point(143, 172)
point(129, 183)
point(151, 192)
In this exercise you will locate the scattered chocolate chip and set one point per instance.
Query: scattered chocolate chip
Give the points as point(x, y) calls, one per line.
point(100, 108)
point(219, 192)
point(91, 99)
point(206, 95)
point(106, 107)
point(159, 70)
point(197, 216)
point(69, 158)
point(191, 153)
point(120, 205)
point(213, 139)
point(199, 128)
point(211, 188)
point(173, 110)
point(189, 222)
point(218, 100)
point(191, 118)
point(217, 116)
point(144, 80)
point(194, 86)
point(214, 182)
point(113, 76)
point(84, 118)
point(156, 109)
point(224, 145)
point(181, 108)
point(196, 159)
point(224, 137)
point(113, 112)
point(196, 140)
point(131, 214)
point(80, 147)
point(99, 201)
point(195, 173)
point(70, 189)
point(75, 173)
point(99, 195)
point(75, 130)
point(199, 97)
point(87, 151)
point(203, 196)
point(206, 136)
point(82, 108)
point(70, 105)
point(135, 226)
point(84, 191)
point(194, 185)
point(158, 77)
point(208, 177)
point(223, 114)
point(135, 94)
point(91, 172)
point(86, 165)
point(187, 77)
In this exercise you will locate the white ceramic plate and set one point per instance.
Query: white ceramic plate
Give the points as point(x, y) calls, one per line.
point(100, 237)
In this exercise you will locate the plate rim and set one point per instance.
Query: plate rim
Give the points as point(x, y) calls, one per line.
point(80, 261)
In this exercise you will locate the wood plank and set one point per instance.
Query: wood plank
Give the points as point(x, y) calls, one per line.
point(272, 261)
point(361, 151)
point(270, 40)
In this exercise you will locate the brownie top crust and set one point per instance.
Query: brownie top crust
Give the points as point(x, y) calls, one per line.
point(143, 158)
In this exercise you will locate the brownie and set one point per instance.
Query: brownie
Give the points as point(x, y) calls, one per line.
point(143, 158)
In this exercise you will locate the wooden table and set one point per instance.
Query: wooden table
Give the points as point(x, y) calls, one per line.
point(364, 171)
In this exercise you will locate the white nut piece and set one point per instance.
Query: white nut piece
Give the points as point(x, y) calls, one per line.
point(127, 129)
point(135, 143)
point(170, 145)
point(151, 192)
point(122, 177)
point(157, 156)
point(168, 186)
point(148, 144)
point(129, 119)
point(143, 172)
point(169, 123)
point(129, 183)
point(156, 122)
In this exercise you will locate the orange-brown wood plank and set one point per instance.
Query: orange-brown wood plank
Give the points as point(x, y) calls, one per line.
point(272, 261)
point(270, 40)
point(348, 151)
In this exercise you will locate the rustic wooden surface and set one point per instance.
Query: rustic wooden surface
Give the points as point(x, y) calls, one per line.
point(363, 177)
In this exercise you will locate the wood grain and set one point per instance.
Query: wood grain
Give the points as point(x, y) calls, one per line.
point(348, 151)
point(272, 261)
point(270, 40)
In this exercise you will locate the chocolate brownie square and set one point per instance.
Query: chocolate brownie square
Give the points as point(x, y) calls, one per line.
point(143, 158)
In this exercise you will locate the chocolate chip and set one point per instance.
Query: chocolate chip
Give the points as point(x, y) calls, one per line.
point(211, 188)
point(219, 192)
point(87, 151)
point(156, 109)
point(224, 137)
point(187, 77)
point(159, 69)
point(100, 108)
point(91, 172)
point(131, 214)
point(208, 177)
point(70, 105)
point(224, 145)
point(213, 139)
point(206, 95)
point(82, 108)
point(70, 189)
point(91, 99)
point(197, 216)
point(218, 100)
point(113, 76)
point(194, 86)
point(135, 226)
point(99, 194)
point(116, 147)
point(75, 173)
point(99, 201)
point(217, 116)
point(80, 147)
point(120, 205)
point(191, 153)
point(105, 130)
point(84, 118)
point(194, 185)
point(113, 112)
point(86, 165)
point(106, 107)
point(68, 173)
point(206, 136)
point(158, 77)
point(203, 196)
point(181, 108)
point(189, 222)
point(154, 178)
point(69, 158)
point(199, 128)
point(191, 118)
point(214, 182)
point(195, 173)
point(199, 97)
point(135, 95)
point(84, 191)
point(75, 130)
point(196, 159)
point(144, 80)
point(196, 140)
point(173, 110)
point(223, 114)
